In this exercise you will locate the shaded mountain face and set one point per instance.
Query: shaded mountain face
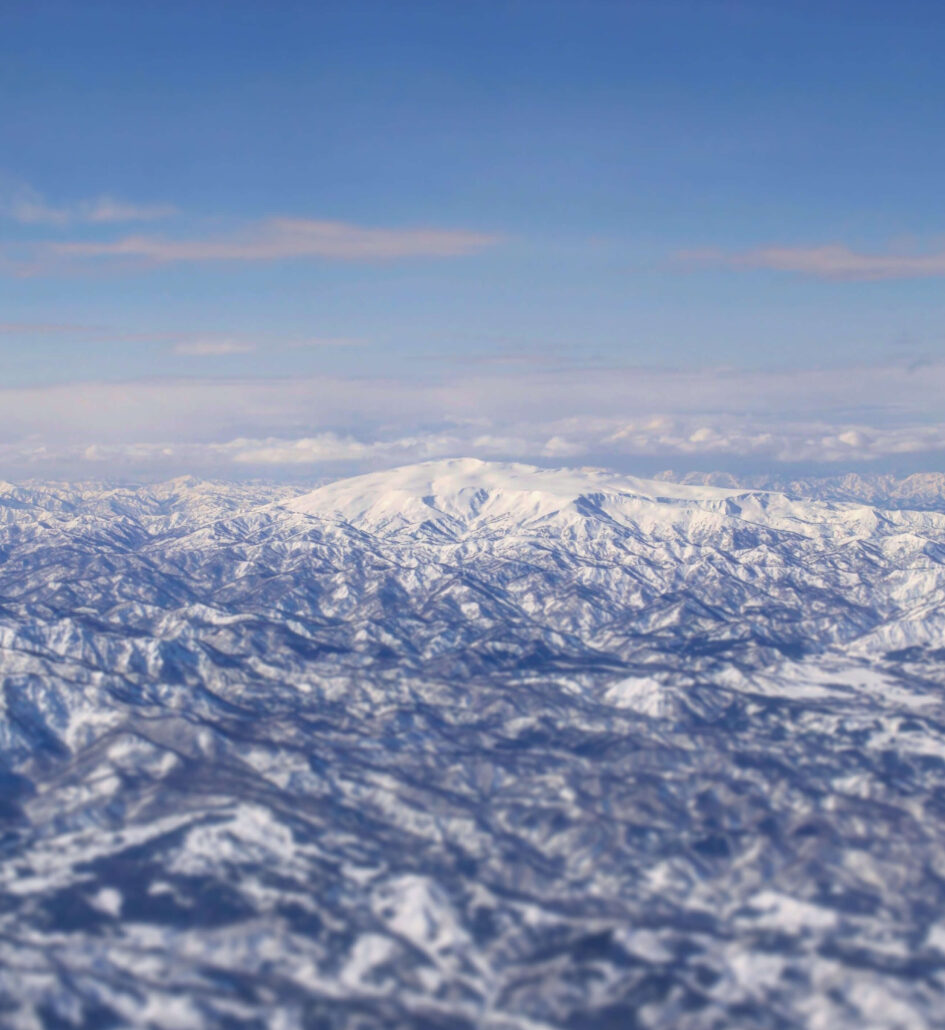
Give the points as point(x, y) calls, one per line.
point(470, 745)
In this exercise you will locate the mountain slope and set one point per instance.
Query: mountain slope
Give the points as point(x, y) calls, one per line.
point(469, 744)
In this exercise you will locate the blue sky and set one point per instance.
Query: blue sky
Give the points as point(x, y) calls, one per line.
point(378, 231)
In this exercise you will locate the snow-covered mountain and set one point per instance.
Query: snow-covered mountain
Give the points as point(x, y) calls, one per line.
point(468, 744)
point(921, 491)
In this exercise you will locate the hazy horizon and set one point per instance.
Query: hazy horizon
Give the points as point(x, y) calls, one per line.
point(324, 237)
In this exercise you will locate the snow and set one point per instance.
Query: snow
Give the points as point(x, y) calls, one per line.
point(474, 744)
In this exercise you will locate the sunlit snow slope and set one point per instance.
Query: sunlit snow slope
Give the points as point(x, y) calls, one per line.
point(470, 745)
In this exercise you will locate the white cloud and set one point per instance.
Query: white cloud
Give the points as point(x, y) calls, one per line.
point(45, 329)
point(832, 261)
point(277, 239)
point(314, 342)
point(25, 205)
point(193, 344)
point(332, 447)
point(722, 416)
point(211, 348)
point(812, 443)
point(110, 209)
point(269, 239)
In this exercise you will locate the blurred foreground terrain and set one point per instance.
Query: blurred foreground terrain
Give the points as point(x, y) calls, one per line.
point(470, 745)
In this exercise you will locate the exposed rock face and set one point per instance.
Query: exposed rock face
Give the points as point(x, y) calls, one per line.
point(468, 744)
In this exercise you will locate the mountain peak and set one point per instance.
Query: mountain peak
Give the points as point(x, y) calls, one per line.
point(467, 488)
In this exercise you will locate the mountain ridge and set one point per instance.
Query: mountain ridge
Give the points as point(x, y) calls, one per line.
point(436, 748)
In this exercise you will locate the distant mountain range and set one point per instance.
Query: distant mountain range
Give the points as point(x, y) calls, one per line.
point(472, 744)
point(920, 491)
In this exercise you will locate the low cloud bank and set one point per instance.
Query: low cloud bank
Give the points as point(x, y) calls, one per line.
point(840, 417)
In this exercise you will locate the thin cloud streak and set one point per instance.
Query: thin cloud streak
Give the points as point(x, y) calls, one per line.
point(277, 239)
point(317, 342)
point(213, 348)
point(28, 207)
point(46, 329)
point(221, 344)
point(834, 261)
point(208, 343)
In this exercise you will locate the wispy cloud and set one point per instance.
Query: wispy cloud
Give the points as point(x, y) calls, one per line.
point(25, 205)
point(210, 348)
point(316, 342)
point(217, 344)
point(187, 343)
point(833, 261)
point(45, 329)
point(277, 239)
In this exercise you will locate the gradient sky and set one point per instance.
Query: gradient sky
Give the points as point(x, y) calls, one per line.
point(283, 236)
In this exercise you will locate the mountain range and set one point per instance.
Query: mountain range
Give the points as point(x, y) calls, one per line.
point(471, 744)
